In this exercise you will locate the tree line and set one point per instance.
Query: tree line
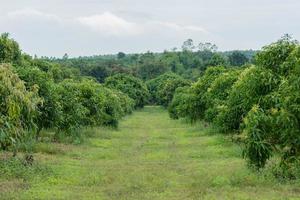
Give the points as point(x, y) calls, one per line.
point(36, 94)
point(258, 103)
point(190, 62)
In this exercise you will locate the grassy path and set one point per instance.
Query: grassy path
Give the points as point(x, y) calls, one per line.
point(148, 157)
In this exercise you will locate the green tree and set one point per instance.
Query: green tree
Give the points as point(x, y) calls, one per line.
point(18, 109)
point(121, 55)
point(73, 113)
point(218, 92)
point(252, 85)
point(155, 85)
point(192, 104)
point(188, 45)
point(274, 55)
point(130, 85)
point(150, 67)
point(237, 58)
point(9, 50)
point(217, 60)
point(207, 47)
point(105, 106)
point(168, 89)
point(50, 109)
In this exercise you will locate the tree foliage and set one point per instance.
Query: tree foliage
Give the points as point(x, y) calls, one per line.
point(17, 110)
point(130, 85)
point(40, 94)
point(162, 88)
point(49, 110)
point(197, 102)
point(259, 102)
point(252, 85)
point(275, 122)
point(9, 50)
point(237, 58)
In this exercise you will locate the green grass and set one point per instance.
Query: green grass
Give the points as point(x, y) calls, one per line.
point(148, 157)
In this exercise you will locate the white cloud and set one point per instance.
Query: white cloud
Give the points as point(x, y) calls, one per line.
point(178, 27)
point(110, 24)
point(31, 13)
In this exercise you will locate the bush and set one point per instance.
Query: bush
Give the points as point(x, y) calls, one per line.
point(9, 50)
point(252, 85)
point(276, 124)
point(93, 103)
point(162, 88)
point(112, 107)
point(258, 148)
point(273, 126)
point(182, 103)
point(156, 84)
point(126, 103)
point(193, 103)
point(50, 109)
point(133, 87)
point(87, 103)
point(73, 112)
point(71, 104)
point(218, 92)
point(167, 91)
point(200, 89)
point(18, 109)
point(274, 55)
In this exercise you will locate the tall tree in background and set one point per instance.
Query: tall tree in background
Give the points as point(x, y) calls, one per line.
point(172, 61)
point(237, 59)
point(121, 55)
point(150, 67)
point(207, 46)
point(188, 45)
point(9, 50)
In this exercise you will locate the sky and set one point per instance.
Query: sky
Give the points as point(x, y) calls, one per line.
point(93, 27)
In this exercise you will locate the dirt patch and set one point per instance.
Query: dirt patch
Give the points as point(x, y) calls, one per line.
point(8, 186)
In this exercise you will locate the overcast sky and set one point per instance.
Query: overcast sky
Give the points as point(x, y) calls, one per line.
point(90, 27)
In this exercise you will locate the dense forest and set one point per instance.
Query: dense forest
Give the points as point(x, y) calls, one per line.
point(190, 61)
point(253, 97)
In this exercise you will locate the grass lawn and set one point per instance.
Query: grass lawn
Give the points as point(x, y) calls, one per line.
point(149, 157)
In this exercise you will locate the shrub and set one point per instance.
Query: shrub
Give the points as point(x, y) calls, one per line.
point(270, 130)
point(73, 113)
point(258, 148)
point(155, 85)
point(182, 103)
point(200, 89)
point(218, 92)
point(50, 109)
point(132, 86)
point(95, 104)
point(252, 85)
point(111, 106)
point(9, 50)
point(193, 103)
point(18, 108)
point(126, 103)
point(150, 69)
point(273, 126)
point(87, 103)
point(168, 89)
point(274, 55)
